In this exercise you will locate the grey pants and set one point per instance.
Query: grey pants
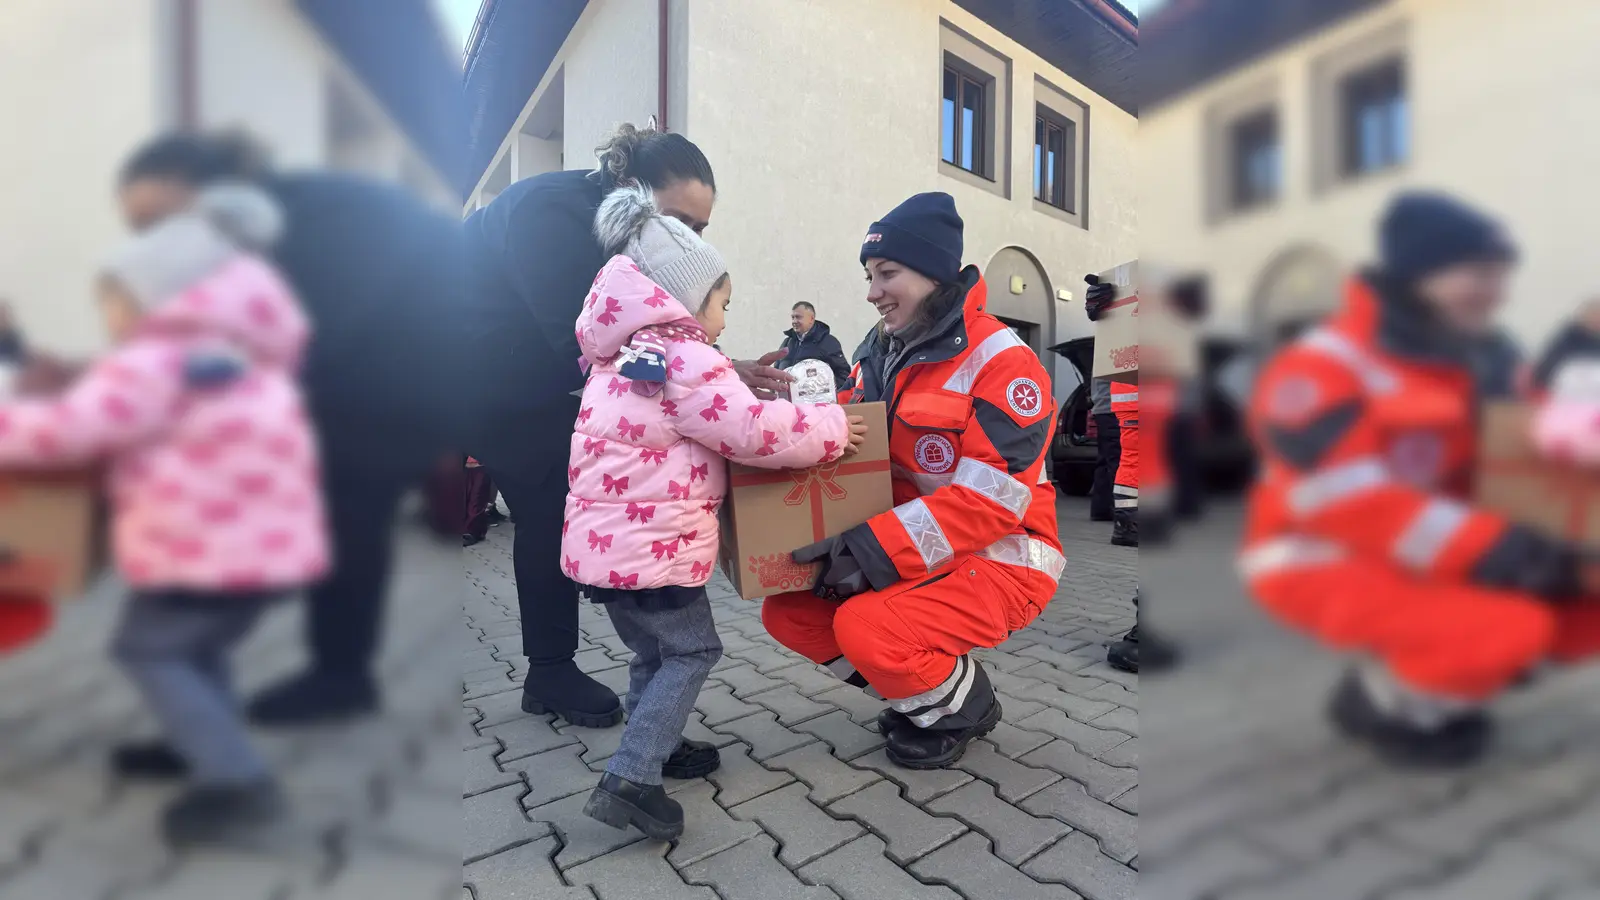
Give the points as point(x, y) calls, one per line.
point(673, 652)
point(175, 646)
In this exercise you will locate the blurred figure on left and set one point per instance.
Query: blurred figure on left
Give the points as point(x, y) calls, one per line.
point(216, 509)
point(13, 352)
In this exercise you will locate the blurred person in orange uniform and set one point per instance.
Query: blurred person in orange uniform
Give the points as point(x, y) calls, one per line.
point(970, 553)
point(1361, 531)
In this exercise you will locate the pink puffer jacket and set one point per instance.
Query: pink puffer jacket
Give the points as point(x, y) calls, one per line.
point(1567, 426)
point(647, 474)
point(213, 489)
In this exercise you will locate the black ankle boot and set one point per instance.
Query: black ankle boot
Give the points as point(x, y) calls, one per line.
point(1125, 528)
point(313, 697)
point(243, 816)
point(1155, 654)
point(922, 748)
point(619, 803)
point(1457, 742)
point(692, 759)
point(890, 721)
point(563, 689)
point(152, 760)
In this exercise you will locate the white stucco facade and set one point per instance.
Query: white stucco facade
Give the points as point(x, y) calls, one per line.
point(1493, 117)
point(260, 66)
point(820, 117)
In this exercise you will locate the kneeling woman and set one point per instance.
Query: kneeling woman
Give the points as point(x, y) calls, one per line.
point(970, 553)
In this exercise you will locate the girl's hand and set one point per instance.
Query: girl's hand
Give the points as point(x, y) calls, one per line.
point(858, 434)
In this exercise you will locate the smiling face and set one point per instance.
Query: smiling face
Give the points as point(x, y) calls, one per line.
point(801, 318)
point(897, 292)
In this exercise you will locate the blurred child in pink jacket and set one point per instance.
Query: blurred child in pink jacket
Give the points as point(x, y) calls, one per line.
point(661, 412)
point(213, 483)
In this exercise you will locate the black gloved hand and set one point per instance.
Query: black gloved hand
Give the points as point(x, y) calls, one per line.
point(1101, 295)
point(842, 576)
point(1525, 560)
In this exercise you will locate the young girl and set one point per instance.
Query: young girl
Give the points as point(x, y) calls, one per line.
point(661, 411)
point(1567, 380)
point(213, 484)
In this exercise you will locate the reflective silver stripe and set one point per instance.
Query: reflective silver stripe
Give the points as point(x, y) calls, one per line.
point(1291, 552)
point(1316, 492)
point(1126, 503)
point(842, 669)
point(1377, 377)
point(925, 533)
point(967, 670)
point(993, 345)
point(1044, 475)
point(1030, 552)
point(994, 484)
point(1125, 490)
point(1130, 397)
point(910, 704)
point(1429, 532)
point(926, 482)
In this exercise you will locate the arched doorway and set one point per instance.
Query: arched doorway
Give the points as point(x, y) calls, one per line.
point(1021, 296)
point(1299, 287)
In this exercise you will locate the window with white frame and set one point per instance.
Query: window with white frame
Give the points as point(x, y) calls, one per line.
point(1060, 151)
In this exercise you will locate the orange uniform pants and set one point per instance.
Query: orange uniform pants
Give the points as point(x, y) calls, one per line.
point(1452, 640)
point(905, 640)
point(1125, 486)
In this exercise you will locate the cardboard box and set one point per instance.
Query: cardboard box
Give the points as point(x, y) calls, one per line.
point(1116, 334)
point(771, 513)
point(49, 532)
point(1517, 482)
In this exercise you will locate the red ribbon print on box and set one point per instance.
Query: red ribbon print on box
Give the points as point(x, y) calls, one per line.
point(813, 485)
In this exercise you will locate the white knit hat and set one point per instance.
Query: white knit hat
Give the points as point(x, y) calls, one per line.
point(224, 221)
point(666, 250)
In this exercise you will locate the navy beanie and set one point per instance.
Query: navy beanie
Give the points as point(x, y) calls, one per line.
point(923, 233)
point(1425, 232)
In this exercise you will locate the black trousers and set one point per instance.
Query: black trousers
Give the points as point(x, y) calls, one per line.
point(1188, 483)
point(1108, 454)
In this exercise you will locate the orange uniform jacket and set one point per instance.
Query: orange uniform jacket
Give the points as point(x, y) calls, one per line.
point(971, 414)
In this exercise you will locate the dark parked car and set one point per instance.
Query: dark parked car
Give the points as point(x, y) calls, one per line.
point(1224, 458)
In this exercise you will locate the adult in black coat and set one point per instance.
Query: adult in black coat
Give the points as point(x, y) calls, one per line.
point(533, 256)
point(377, 272)
point(810, 339)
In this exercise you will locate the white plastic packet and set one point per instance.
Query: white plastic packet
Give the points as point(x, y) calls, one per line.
point(813, 382)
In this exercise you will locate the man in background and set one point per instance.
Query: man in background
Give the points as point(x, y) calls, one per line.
point(810, 339)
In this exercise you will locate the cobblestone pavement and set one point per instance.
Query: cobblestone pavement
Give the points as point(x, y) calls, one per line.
point(806, 807)
point(377, 805)
point(1249, 795)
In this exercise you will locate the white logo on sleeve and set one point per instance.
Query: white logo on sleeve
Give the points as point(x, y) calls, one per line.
point(1025, 397)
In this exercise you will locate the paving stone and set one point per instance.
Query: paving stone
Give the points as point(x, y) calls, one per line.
point(764, 735)
point(1087, 738)
point(595, 659)
point(1115, 693)
point(1013, 780)
point(1508, 870)
point(745, 680)
point(1577, 833)
point(482, 774)
point(1066, 663)
point(695, 730)
point(767, 659)
point(1104, 672)
point(808, 678)
point(1076, 861)
point(718, 705)
point(526, 736)
point(751, 871)
point(1310, 832)
point(1116, 830)
point(1017, 836)
point(804, 831)
point(911, 833)
point(1103, 781)
point(1362, 868)
point(555, 774)
point(920, 785)
point(707, 828)
point(1013, 742)
point(847, 739)
point(522, 873)
point(1001, 661)
point(790, 705)
point(1121, 719)
point(1128, 802)
point(637, 872)
point(1458, 828)
point(584, 838)
point(970, 867)
point(1016, 708)
point(862, 707)
point(494, 821)
point(740, 778)
point(1124, 755)
point(827, 777)
point(599, 744)
point(497, 709)
point(860, 871)
point(1208, 869)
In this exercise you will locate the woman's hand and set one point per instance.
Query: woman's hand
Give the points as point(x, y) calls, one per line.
point(858, 435)
point(765, 381)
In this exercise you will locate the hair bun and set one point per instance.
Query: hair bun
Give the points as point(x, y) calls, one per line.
point(623, 214)
point(246, 214)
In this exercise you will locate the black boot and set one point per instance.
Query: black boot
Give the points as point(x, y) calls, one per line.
point(890, 721)
point(562, 688)
point(153, 760)
point(313, 697)
point(235, 816)
point(925, 748)
point(692, 759)
point(619, 803)
point(1155, 654)
point(1457, 741)
point(1125, 528)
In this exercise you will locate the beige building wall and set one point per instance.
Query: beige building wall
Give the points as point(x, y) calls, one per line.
point(820, 117)
point(1498, 115)
point(612, 74)
point(61, 151)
